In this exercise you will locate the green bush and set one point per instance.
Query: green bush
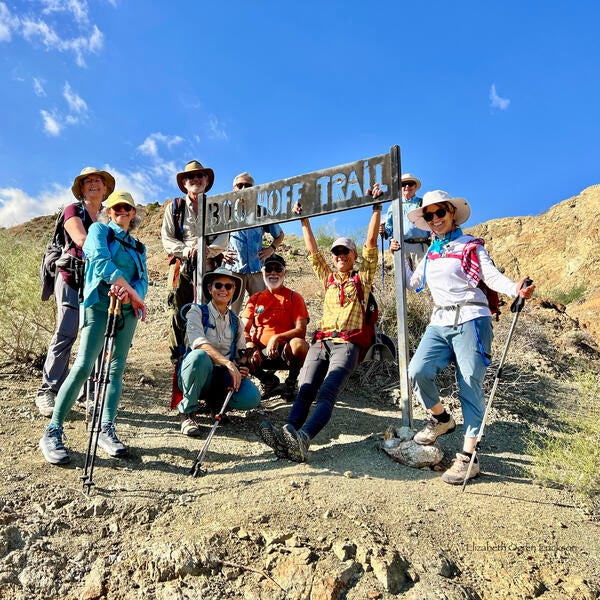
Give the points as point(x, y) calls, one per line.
point(568, 296)
point(26, 323)
point(571, 458)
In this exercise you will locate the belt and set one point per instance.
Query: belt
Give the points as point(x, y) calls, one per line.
point(457, 307)
point(417, 240)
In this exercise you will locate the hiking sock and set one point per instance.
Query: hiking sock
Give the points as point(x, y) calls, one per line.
point(469, 455)
point(442, 417)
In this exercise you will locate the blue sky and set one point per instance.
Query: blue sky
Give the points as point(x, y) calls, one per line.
point(492, 101)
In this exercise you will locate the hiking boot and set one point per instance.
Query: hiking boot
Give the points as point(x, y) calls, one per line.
point(273, 438)
point(190, 425)
point(52, 446)
point(270, 382)
point(457, 473)
point(433, 430)
point(45, 402)
point(296, 442)
point(109, 442)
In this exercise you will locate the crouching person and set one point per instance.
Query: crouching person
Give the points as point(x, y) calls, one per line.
point(115, 266)
point(275, 327)
point(215, 337)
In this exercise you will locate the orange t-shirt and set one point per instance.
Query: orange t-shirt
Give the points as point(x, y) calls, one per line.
point(273, 312)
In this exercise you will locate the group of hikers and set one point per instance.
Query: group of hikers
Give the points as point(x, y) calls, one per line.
point(217, 342)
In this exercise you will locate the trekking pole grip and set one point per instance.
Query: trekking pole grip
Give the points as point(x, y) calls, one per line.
point(519, 301)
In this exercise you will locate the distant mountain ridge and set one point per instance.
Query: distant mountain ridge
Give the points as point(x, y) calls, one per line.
point(557, 249)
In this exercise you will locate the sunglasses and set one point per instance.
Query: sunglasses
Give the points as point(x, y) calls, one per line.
point(218, 285)
point(241, 186)
point(195, 176)
point(273, 268)
point(120, 207)
point(408, 184)
point(340, 250)
point(439, 213)
point(90, 180)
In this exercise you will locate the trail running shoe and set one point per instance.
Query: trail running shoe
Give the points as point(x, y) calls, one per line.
point(45, 402)
point(433, 430)
point(297, 443)
point(109, 442)
point(190, 425)
point(273, 438)
point(52, 446)
point(457, 473)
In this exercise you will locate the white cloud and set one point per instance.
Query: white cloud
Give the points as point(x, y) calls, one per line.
point(149, 146)
point(38, 87)
point(16, 206)
point(78, 8)
point(76, 103)
point(216, 129)
point(496, 101)
point(52, 125)
point(8, 23)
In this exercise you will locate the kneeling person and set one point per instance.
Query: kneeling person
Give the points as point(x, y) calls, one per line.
point(275, 327)
point(214, 336)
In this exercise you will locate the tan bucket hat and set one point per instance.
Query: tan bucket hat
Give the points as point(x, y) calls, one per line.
point(109, 181)
point(195, 167)
point(410, 177)
point(222, 272)
point(463, 210)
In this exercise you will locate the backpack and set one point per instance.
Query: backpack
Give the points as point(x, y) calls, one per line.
point(178, 210)
point(493, 299)
point(53, 252)
point(365, 337)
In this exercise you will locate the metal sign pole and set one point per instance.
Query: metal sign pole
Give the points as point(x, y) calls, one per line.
point(400, 278)
point(201, 253)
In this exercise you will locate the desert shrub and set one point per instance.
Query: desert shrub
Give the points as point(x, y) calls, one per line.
point(26, 322)
point(570, 458)
point(325, 236)
point(567, 296)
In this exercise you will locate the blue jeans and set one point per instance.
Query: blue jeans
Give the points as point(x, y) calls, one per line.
point(90, 346)
point(439, 347)
point(196, 381)
point(326, 368)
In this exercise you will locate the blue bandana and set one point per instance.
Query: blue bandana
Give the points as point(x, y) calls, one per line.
point(437, 246)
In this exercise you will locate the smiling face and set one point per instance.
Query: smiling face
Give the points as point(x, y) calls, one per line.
point(122, 214)
point(273, 275)
point(441, 218)
point(221, 290)
point(196, 183)
point(93, 189)
point(409, 188)
point(343, 258)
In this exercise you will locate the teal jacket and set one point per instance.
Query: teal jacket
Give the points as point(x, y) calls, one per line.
point(109, 256)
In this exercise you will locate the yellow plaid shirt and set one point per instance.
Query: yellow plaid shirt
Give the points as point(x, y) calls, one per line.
point(342, 310)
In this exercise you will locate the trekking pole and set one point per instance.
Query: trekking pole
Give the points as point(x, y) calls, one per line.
point(382, 263)
point(114, 311)
point(90, 390)
point(516, 307)
point(197, 466)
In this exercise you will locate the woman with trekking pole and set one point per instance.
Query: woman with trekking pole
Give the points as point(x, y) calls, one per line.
point(460, 329)
point(115, 267)
point(91, 187)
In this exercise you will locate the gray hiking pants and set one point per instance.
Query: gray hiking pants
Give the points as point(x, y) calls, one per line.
point(56, 366)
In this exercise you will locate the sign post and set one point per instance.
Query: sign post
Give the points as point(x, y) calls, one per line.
point(319, 193)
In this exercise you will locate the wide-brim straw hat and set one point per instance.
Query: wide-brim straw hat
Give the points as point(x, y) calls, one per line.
point(462, 208)
point(109, 181)
point(410, 177)
point(222, 272)
point(195, 167)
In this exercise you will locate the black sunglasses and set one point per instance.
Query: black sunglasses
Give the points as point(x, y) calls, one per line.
point(272, 267)
point(120, 207)
point(340, 250)
point(195, 176)
point(218, 285)
point(408, 184)
point(243, 185)
point(439, 213)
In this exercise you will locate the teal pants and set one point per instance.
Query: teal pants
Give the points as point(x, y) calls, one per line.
point(90, 345)
point(195, 380)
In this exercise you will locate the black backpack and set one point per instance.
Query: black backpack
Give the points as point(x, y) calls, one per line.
point(53, 252)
